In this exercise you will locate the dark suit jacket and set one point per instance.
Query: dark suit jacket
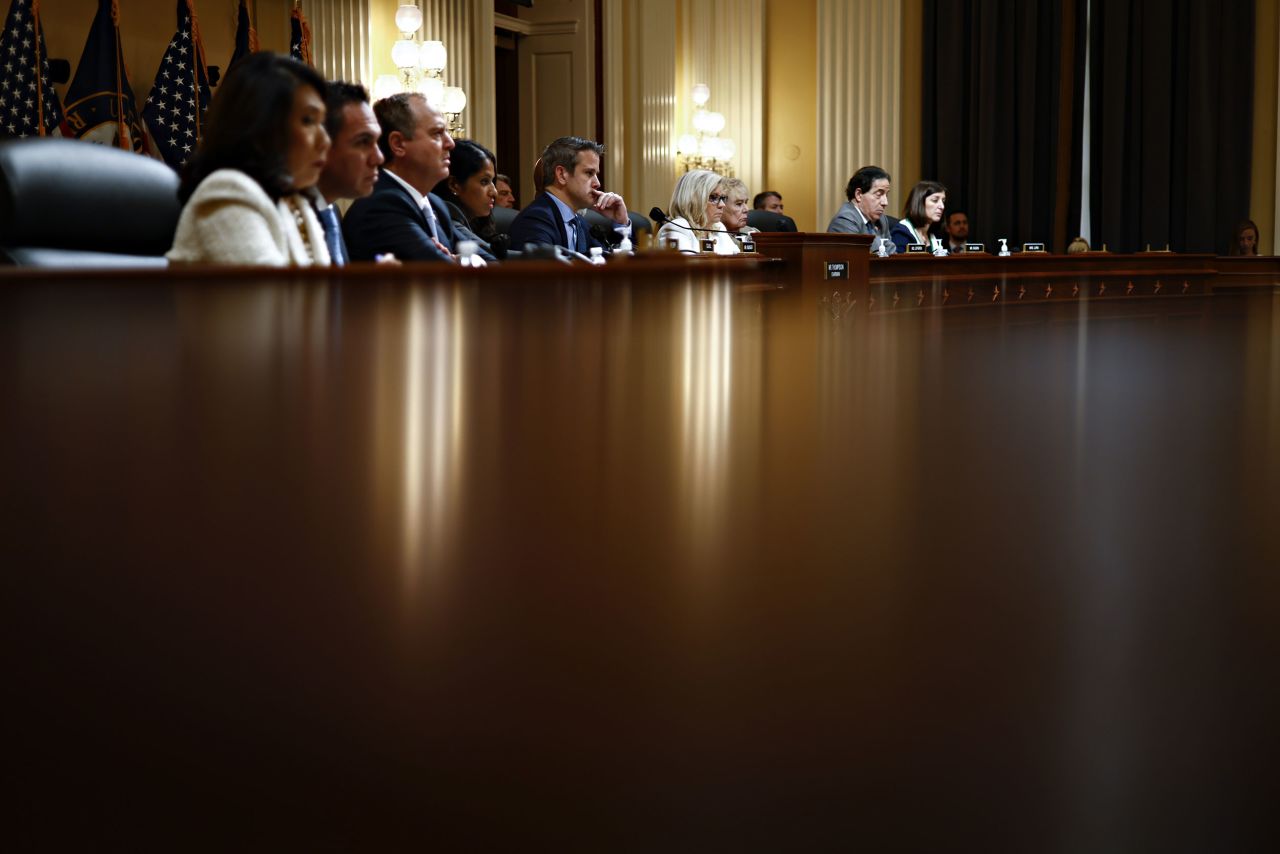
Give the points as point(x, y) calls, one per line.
point(390, 220)
point(540, 222)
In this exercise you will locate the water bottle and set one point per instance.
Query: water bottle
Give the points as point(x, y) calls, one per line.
point(468, 254)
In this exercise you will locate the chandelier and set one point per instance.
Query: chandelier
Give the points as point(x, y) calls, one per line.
point(421, 67)
point(705, 148)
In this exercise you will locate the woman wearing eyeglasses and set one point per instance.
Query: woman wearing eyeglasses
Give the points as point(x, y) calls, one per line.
point(697, 206)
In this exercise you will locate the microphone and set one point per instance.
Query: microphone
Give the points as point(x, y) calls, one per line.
point(659, 217)
point(549, 252)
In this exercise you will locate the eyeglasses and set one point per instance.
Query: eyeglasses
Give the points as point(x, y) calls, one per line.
point(717, 199)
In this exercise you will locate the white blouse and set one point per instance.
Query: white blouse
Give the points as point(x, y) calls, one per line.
point(230, 219)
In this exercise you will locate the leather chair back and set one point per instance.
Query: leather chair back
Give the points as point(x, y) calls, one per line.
point(70, 203)
point(770, 221)
point(502, 219)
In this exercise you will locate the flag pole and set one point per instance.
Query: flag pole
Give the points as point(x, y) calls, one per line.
point(121, 141)
point(197, 67)
point(35, 15)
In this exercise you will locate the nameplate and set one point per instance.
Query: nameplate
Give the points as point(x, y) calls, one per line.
point(917, 247)
point(837, 270)
point(748, 245)
point(708, 244)
point(975, 247)
point(1033, 247)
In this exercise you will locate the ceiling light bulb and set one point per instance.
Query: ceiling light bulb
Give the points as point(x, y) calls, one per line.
point(408, 18)
point(455, 100)
point(434, 56)
point(404, 53)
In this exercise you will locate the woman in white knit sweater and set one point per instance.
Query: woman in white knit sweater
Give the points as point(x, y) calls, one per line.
point(264, 142)
point(697, 204)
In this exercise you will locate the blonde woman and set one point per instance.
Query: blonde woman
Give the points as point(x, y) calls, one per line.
point(735, 210)
point(697, 206)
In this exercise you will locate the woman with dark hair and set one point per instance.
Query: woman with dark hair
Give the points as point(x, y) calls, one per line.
point(470, 191)
point(264, 141)
point(1245, 239)
point(925, 206)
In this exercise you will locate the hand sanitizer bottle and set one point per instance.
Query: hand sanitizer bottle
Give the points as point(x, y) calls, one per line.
point(597, 255)
point(624, 248)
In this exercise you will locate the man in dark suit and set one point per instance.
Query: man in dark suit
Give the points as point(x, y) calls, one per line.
point(570, 182)
point(351, 168)
point(864, 213)
point(957, 229)
point(401, 217)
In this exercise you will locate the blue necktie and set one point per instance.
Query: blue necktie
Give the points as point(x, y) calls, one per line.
point(333, 235)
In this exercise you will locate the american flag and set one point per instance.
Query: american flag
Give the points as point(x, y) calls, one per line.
point(174, 111)
point(28, 103)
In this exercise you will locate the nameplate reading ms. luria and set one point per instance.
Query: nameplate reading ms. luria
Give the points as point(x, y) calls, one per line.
point(837, 270)
point(1033, 247)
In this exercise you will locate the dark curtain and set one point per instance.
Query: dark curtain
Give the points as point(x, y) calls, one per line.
point(999, 126)
point(1172, 122)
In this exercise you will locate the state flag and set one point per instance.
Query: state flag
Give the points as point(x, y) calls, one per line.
point(174, 111)
point(100, 104)
point(28, 103)
point(246, 35)
point(299, 35)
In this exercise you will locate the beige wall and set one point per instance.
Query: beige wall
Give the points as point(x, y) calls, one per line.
point(1264, 202)
point(791, 113)
point(382, 35)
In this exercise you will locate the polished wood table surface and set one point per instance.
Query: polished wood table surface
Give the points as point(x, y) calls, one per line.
point(664, 559)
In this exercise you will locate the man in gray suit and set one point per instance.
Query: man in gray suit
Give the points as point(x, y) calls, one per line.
point(864, 213)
